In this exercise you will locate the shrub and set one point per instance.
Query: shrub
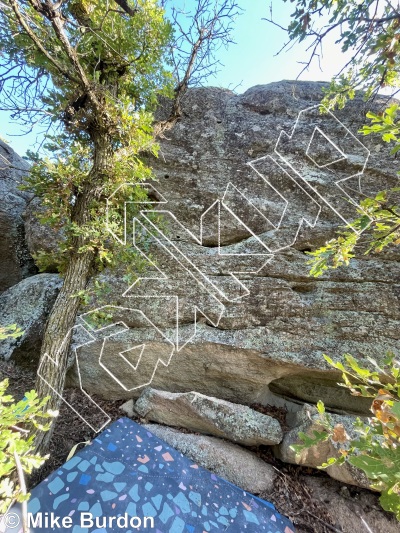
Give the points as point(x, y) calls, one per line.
point(376, 449)
point(16, 443)
point(16, 439)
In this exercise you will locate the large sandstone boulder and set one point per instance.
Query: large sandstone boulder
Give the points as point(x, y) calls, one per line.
point(27, 304)
point(211, 416)
point(15, 260)
point(262, 333)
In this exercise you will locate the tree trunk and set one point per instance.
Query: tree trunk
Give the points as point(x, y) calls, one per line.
point(62, 318)
point(57, 337)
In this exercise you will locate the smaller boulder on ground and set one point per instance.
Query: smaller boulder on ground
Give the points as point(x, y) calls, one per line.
point(208, 415)
point(307, 420)
point(229, 461)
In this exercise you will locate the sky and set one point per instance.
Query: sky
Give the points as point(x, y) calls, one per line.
point(253, 60)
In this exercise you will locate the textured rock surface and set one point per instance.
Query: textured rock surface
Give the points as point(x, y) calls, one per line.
point(15, 260)
point(307, 420)
point(273, 338)
point(211, 416)
point(275, 325)
point(39, 236)
point(231, 462)
point(27, 304)
point(128, 408)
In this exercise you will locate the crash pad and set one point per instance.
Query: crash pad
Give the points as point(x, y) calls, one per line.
point(127, 479)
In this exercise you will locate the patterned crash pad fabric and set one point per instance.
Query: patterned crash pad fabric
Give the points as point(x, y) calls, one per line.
point(129, 473)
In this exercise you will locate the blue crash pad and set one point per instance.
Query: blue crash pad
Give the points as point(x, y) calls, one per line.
point(128, 472)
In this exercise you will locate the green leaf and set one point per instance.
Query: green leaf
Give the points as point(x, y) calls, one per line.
point(320, 407)
point(372, 466)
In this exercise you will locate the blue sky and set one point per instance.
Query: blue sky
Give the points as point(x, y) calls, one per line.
point(251, 61)
point(254, 60)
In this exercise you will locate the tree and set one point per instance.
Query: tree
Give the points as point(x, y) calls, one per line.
point(370, 30)
point(91, 72)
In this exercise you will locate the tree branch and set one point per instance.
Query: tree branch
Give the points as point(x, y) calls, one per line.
point(22, 485)
point(37, 43)
point(210, 27)
point(58, 26)
point(123, 4)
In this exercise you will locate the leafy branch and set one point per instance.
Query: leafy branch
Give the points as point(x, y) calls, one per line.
point(379, 217)
point(17, 455)
point(376, 448)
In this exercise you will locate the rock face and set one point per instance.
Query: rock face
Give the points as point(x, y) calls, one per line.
point(239, 466)
point(39, 236)
point(211, 416)
point(261, 333)
point(27, 304)
point(247, 184)
point(15, 260)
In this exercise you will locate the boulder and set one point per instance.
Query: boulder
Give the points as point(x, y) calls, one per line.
point(15, 260)
point(307, 420)
point(27, 304)
point(196, 412)
point(128, 408)
point(265, 328)
point(229, 461)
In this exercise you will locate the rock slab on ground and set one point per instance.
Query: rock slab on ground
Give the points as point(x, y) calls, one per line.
point(128, 408)
point(208, 415)
point(229, 461)
point(307, 420)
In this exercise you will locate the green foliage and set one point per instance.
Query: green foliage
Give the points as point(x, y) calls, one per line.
point(16, 442)
point(10, 331)
point(57, 181)
point(380, 215)
point(368, 29)
point(385, 125)
point(317, 436)
point(376, 448)
point(370, 32)
point(102, 74)
point(111, 46)
point(308, 441)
